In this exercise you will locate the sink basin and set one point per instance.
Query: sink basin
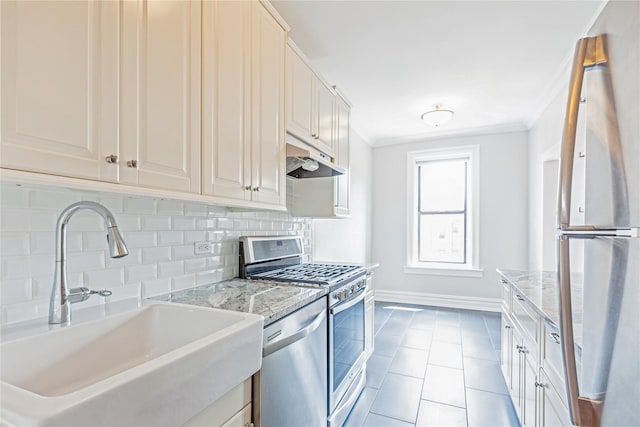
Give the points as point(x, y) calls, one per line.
point(156, 365)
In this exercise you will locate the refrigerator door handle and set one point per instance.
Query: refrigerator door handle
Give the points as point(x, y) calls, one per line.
point(583, 411)
point(589, 53)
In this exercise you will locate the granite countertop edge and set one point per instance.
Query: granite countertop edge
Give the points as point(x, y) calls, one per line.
point(540, 290)
point(271, 300)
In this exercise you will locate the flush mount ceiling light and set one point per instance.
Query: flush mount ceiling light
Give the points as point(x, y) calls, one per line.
point(437, 117)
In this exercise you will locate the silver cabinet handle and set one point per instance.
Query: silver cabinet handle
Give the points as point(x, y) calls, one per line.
point(256, 189)
point(503, 281)
point(248, 187)
point(537, 384)
point(507, 327)
point(519, 297)
point(132, 163)
point(111, 158)
point(555, 336)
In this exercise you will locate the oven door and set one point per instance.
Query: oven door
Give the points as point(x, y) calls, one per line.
point(346, 347)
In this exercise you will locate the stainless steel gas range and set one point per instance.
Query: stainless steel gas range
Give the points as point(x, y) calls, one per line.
point(280, 259)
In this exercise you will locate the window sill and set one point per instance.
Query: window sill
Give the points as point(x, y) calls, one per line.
point(453, 272)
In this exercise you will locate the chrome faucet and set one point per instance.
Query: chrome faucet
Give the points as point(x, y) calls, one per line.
point(61, 296)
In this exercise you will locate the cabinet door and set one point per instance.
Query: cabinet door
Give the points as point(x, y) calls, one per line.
point(299, 96)
point(325, 100)
point(341, 149)
point(160, 94)
point(506, 353)
point(553, 412)
point(529, 391)
point(226, 99)
point(59, 87)
point(268, 155)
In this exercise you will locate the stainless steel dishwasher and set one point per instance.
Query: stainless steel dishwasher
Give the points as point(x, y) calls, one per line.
point(291, 387)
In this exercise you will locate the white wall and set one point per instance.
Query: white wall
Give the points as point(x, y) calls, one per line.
point(159, 233)
point(349, 239)
point(503, 219)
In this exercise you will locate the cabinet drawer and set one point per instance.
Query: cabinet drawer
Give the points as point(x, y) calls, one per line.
point(552, 356)
point(527, 320)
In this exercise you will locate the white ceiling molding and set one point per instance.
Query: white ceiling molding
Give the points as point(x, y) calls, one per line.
point(495, 63)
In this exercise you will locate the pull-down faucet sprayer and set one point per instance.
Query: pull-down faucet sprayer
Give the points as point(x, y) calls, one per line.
point(61, 296)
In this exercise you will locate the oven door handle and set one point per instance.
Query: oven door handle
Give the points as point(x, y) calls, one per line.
point(347, 305)
point(296, 336)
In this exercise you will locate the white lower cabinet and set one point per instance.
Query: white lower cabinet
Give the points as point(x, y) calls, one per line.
point(231, 410)
point(525, 356)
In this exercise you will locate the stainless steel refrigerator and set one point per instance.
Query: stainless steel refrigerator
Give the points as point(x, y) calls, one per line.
point(603, 382)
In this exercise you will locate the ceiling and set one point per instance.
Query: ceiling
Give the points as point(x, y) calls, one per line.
point(495, 63)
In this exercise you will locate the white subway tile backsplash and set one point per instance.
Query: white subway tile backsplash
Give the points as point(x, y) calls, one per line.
point(195, 209)
point(86, 261)
point(151, 288)
point(179, 283)
point(56, 200)
point(13, 291)
point(127, 222)
point(15, 267)
point(195, 264)
point(95, 240)
point(205, 224)
point(156, 222)
point(170, 269)
point(14, 243)
point(182, 252)
point(134, 258)
point(225, 223)
point(154, 255)
point(140, 239)
point(170, 238)
point(195, 236)
point(140, 273)
point(170, 207)
point(104, 279)
point(25, 219)
point(183, 223)
point(14, 195)
point(158, 233)
point(215, 236)
point(132, 290)
point(139, 206)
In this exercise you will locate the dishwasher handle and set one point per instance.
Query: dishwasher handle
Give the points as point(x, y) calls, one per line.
point(296, 336)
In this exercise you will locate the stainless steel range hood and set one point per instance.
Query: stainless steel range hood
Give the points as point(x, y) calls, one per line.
point(304, 161)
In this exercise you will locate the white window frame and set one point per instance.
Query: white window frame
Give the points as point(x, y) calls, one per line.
point(472, 267)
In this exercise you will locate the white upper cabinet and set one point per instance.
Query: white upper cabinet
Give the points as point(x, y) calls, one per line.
point(226, 105)
point(103, 90)
point(268, 148)
point(299, 92)
point(160, 95)
point(243, 103)
point(310, 105)
point(60, 87)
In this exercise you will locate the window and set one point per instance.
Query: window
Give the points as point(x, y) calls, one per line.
point(443, 214)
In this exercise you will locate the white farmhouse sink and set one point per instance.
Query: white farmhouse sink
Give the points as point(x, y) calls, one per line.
point(156, 365)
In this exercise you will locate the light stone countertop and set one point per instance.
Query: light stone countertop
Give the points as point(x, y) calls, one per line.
point(540, 289)
point(269, 299)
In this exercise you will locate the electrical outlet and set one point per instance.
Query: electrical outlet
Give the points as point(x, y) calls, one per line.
point(202, 248)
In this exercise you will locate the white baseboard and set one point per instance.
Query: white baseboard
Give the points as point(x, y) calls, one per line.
point(439, 300)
